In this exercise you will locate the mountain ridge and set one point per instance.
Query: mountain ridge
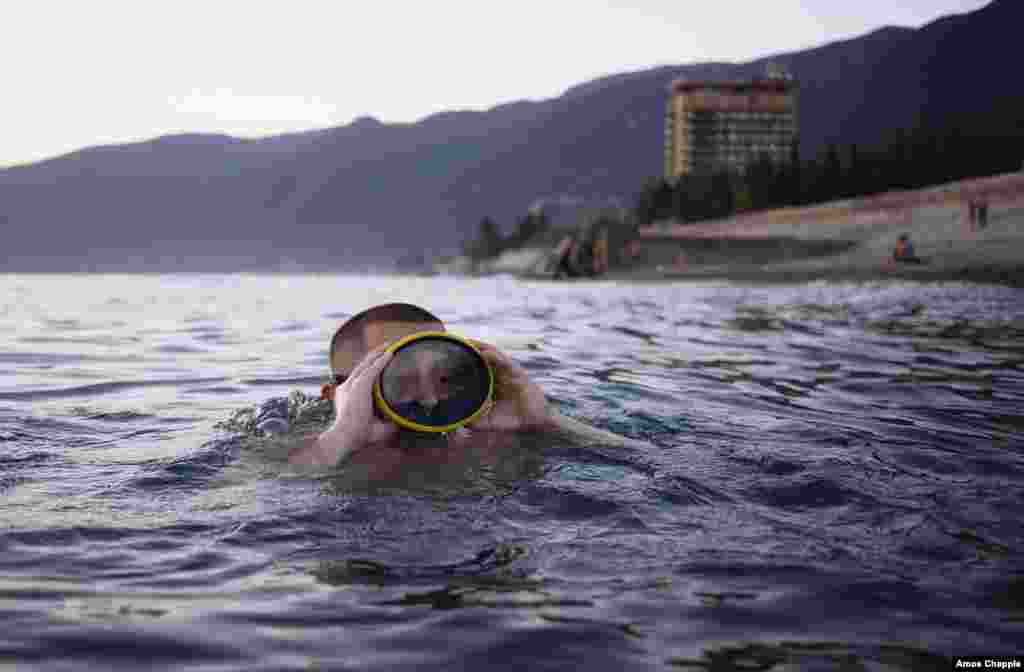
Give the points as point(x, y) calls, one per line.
point(373, 190)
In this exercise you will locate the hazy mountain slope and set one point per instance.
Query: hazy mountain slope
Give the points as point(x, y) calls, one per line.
point(371, 191)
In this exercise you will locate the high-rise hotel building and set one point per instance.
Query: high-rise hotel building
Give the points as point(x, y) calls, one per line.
point(726, 125)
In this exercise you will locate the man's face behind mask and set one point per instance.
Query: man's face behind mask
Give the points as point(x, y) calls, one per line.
point(435, 382)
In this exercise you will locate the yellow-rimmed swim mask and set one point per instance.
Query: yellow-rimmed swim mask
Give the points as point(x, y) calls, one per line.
point(435, 382)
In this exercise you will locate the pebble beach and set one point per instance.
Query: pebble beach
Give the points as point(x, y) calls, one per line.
point(843, 240)
point(937, 220)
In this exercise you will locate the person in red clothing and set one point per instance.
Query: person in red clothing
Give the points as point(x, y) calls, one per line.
point(904, 251)
point(564, 256)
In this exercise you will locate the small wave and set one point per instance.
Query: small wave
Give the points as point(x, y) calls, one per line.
point(178, 349)
point(295, 380)
point(100, 388)
point(215, 389)
point(290, 327)
point(110, 416)
point(56, 357)
point(346, 572)
point(807, 493)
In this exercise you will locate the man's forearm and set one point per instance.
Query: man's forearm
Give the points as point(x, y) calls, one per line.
point(574, 430)
point(326, 449)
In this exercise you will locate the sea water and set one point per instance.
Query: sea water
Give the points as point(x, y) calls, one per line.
point(831, 476)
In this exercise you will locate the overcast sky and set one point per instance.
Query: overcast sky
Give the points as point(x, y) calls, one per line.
point(82, 73)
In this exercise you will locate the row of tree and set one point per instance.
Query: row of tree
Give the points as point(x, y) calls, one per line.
point(490, 243)
point(909, 160)
point(960, 149)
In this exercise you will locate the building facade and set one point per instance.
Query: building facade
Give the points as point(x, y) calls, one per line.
point(727, 125)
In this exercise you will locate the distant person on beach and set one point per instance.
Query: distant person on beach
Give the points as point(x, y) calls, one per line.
point(564, 257)
point(601, 252)
point(904, 251)
point(581, 253)
point(977, 214)
point(631, 250)
point(357, 358)
point(582, 256)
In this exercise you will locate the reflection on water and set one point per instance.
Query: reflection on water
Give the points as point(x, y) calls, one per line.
point(831, 479)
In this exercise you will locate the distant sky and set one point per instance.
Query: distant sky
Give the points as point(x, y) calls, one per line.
point(85, 73)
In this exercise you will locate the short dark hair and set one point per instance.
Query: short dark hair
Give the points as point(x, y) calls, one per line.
point(355, 326)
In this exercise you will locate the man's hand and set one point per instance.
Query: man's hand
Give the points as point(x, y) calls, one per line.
point(355, 424)
point(519, 403)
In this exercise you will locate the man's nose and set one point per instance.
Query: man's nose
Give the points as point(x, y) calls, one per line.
point(428, 396)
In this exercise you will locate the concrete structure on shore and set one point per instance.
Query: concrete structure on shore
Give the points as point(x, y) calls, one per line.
point(727, 125)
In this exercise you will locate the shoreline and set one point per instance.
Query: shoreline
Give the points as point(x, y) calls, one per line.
point(1005, 275)
point(850, 240)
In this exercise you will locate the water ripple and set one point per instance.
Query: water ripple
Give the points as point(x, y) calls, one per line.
point(100, 388)
point(819, 459)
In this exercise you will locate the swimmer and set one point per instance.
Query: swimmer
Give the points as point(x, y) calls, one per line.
point(358, 354)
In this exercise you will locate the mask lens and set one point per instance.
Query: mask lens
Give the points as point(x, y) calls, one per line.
point(435, 382)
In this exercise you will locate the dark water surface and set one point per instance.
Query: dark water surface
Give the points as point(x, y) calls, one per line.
point(833, 481)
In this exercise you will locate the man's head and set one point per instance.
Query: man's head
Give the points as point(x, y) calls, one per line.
point(373, 327)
